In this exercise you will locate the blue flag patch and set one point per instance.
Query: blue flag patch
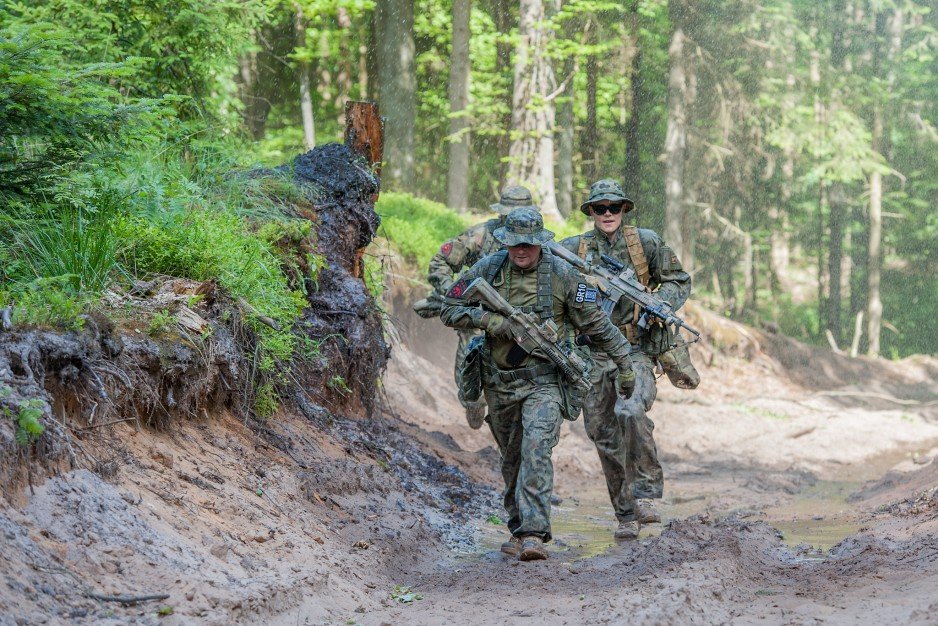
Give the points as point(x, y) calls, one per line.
point(585, 293)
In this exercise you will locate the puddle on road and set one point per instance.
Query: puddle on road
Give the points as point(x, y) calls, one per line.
point(583, 526)
point(817, 516)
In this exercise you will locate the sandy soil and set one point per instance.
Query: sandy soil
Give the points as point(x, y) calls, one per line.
point(786, 502)
point(770, 516)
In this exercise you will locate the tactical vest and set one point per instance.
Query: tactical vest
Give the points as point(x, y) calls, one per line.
point(633, 243)
point(636, 252)
point(545, 283)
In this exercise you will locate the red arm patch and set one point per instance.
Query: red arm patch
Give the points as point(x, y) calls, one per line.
point(458, 288)
point(446, 248)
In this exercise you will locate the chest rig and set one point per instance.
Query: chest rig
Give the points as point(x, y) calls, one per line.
point(633, 243)
point(544, 307)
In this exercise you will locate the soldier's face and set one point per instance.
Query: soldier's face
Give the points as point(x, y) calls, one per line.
point(606, 221)
point(524, 256)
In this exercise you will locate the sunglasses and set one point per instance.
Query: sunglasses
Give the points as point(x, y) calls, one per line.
point(614, 209)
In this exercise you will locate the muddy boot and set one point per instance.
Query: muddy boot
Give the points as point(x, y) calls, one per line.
point(512, 546)
point(475, 415)
point(532, 549)
point(647, 513)
point(627, 530)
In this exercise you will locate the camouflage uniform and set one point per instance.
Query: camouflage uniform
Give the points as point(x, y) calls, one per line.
point(621, 429)
point(524, 396)
point(463, 251)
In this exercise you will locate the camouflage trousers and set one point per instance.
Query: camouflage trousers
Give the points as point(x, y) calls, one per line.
point(465, 336)
point(624, 435)
point(525, 418)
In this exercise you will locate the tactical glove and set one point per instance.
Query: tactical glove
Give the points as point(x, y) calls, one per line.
point(625, 382)
point(499, 326)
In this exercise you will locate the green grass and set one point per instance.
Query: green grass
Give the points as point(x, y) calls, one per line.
point(417, 227)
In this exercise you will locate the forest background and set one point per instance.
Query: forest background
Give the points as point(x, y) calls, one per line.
point(785, 149)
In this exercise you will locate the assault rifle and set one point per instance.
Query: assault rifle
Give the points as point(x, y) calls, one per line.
point(615, 282)
point(533, 336)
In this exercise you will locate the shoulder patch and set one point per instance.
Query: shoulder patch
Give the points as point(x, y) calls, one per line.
point(458, 288)
point(446, 248)
point(585, 293)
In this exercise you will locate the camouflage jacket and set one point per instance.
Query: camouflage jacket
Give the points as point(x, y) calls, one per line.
point(665, 272)
point(461, 252)
point(573, 303)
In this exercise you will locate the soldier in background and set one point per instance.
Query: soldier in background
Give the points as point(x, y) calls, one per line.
point(525, 392)
point(461, 252)
point(621, 429)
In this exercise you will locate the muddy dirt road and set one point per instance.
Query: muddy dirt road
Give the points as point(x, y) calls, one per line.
point(784, 503)
point(789, 499)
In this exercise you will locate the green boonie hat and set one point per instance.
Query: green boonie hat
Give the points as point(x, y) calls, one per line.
point(523, 225)
point(513, 197)
point(606, 189)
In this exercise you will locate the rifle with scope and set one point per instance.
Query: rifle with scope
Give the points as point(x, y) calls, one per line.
point(616, 282)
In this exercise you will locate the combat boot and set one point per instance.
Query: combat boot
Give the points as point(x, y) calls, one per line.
point(475, 415)
point(627, 530)
point(532, 549)
point(646, 512)
point(512, 546)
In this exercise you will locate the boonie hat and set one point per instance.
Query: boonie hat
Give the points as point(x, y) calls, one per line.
point(607, 189)
point(513, 197)
point(523, 225)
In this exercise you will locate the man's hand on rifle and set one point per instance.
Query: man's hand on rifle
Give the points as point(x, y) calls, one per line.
point(625, 382)
point(503, 327)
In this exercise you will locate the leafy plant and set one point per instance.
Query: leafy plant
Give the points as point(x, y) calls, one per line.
point(337, 383)
point(405, 595)
point(161, 322)
point(28, 425)
point(49, 302)
point(266, 400)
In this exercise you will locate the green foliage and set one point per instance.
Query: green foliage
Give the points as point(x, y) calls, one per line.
point(61, 118)
point(180, 46)
point(48, 302)
point(28, 425)
point(417, 226)
point(161, 322)
point(73, 242)
point(375, 276)
point(266, 401)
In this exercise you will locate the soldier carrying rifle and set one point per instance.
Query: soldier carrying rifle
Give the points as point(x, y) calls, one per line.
point(529, 375)
point(640, 262)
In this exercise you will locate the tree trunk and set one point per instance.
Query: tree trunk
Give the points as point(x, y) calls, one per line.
point(836, 222)
point(457, 181)
point(632, 173)
point(675, 143)
point(302, 68)
point(566, 121)
point(837, 197)
point(344, 80)
point(531, 156)
point(589, 142)
point(874, 306)
point(501, 15)
point(397, 87)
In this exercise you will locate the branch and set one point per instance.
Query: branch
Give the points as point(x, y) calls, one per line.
point(260, 318)
point(127, 599)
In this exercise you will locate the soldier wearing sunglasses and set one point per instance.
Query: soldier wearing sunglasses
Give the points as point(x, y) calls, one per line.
point(620, 428)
